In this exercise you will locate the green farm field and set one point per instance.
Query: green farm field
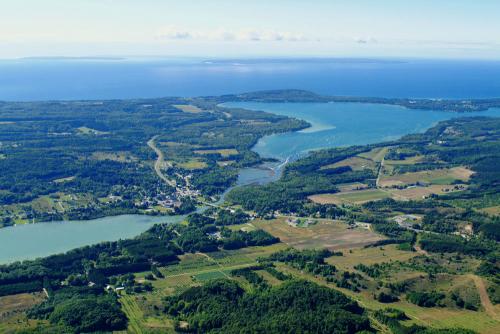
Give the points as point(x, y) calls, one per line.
point(352, 197)
point(325, 234)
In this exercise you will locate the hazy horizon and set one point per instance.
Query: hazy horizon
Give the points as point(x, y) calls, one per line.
point(462, 29)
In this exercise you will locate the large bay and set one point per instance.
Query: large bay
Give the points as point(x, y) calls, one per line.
point(339, 124)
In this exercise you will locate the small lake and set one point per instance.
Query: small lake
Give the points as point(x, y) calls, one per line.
point(336, 125)
point(31, 241)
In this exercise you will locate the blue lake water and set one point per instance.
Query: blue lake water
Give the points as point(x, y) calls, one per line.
point(345, 124)
point(37, 240)
point(50, 79)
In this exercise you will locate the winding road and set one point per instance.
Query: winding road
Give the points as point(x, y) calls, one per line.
point(160, 161)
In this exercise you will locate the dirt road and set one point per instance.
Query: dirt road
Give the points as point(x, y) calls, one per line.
point(485, 299)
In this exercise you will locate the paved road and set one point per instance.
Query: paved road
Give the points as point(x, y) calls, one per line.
point(160, 162)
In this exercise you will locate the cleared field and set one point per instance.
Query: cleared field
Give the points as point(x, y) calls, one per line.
point(12, 316)
point(415, 193)
point(225, 163)
point(242, 227)
point(44, 203)
point(192, 164)
point(254, 122)
point(188, 108)
point(437, 176)
point(268, 277)
point(174, 284)
point(245, 256)
point(326, 199)
point(209, 276)
point(121, 156)
point(133, 312)
point(141, 323)
point(352, 186)
point(353, 197)
point(325, 234)
point(9, 305)
point(363, 196)
point(173, 144)
point(64, 179)
point(356, 163)
point(225, 152)
point(369, 256)
point(83, 130)
point(407, 161)
point(190, 263)
point(194, 269)
point(377, 154)
point(492, 210)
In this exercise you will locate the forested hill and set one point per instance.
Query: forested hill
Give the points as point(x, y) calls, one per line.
point(86, 159)
point(293, 95)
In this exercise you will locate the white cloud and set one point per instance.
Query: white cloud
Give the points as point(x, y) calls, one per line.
point(174, 33)
point(364, 40)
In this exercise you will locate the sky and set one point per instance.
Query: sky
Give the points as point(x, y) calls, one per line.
point(251, 28)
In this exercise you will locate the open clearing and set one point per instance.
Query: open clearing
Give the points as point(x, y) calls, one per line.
point(437, 176)
point(407, 161)
point(83, 130)
point(356, 163)
point(353, 197)
point(325, 234)
point(193, 269)
point(121, 156)
point(377, 154)
point(225, 152)
point(9, 305)
point(369, 256)
point(225, 163)
point(415, 193)
point(139, 322)
point(19, 302)
point(64, 179)
point(192, 164)
point(351, 186)
point(492, 210)
point(188, 108)
point(177, 145)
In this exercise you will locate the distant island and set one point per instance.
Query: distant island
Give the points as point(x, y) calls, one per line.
point(292, 95)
